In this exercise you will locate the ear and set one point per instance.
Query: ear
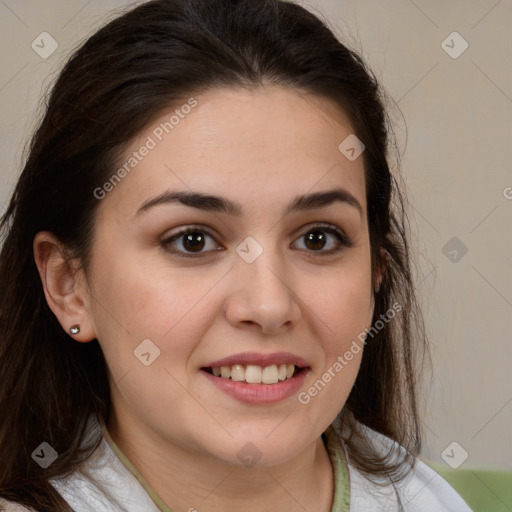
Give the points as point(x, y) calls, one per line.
point(64, 286)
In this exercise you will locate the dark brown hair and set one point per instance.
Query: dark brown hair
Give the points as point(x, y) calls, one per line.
point(111, 88)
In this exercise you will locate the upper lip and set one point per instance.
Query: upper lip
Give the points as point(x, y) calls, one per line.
point(257, 359)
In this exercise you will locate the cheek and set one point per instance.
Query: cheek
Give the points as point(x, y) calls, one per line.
point(347, 314)
point(134, 301)
point(343, 309)
point(343, 301)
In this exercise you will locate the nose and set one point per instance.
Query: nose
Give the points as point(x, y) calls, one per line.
point(262, 295)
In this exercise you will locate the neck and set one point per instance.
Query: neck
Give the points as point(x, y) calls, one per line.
point(190, 482)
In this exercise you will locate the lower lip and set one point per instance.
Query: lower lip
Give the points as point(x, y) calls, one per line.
point(259, 394)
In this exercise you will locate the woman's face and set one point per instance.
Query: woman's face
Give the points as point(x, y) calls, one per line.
point(260, 277)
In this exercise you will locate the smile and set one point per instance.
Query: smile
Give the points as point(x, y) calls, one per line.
point(253, 374)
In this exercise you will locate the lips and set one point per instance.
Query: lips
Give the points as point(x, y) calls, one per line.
point(256, 378)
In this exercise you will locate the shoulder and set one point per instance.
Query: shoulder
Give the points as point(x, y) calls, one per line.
point(422, 489)
point(103, 482)
point(9, 506)
point(426, 487)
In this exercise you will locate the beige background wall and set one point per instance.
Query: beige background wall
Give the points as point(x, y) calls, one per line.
point(455, 159)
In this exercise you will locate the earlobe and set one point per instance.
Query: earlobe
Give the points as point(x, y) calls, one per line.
point(64, 291)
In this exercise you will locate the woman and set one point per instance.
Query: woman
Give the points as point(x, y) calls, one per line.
point(207, 296)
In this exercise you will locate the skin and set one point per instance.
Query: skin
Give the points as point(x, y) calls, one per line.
point(261, 148)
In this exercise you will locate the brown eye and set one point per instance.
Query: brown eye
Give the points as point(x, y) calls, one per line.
point(315, 240)
point(324, 240)
point(191, 242)
point(194, 241)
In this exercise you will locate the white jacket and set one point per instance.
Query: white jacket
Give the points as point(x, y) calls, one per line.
point(109, 483)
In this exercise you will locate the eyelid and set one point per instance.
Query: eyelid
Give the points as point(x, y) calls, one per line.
point(190, 228)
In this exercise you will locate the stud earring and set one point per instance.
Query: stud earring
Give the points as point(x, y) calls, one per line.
point(75, 329)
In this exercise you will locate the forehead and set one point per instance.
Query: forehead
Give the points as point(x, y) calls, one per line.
point(251, 145)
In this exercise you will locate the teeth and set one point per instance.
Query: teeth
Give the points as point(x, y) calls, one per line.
point(269, 375)
point(238, 372)
point(255, 374)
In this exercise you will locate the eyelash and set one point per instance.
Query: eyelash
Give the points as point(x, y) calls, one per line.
point(343, 240)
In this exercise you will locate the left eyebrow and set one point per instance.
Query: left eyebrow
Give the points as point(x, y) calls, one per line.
point(223, 205)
